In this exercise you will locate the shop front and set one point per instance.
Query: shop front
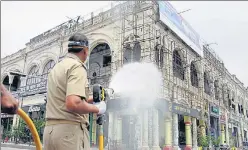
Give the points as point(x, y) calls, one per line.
point(214, 121)
point(234, 132)
point(183, 119)
point(161, 126)
point(37, 115)
point(35, 112)
point(6, 125)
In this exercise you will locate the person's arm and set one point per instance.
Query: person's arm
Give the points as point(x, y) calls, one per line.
point(75, 104)
point(90, 99)
point(8, 103)
point(75, 92)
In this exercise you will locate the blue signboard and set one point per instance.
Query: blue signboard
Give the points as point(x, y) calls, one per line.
point(176, 23)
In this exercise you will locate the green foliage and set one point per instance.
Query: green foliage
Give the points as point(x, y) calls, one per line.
point(7, 134)
point(216, 141)
point(204, 141)
point(39, 124)
point(20, 131)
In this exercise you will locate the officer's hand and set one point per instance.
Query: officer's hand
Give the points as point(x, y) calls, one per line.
point(101, 106)
point(9, 104)
point(90, 99)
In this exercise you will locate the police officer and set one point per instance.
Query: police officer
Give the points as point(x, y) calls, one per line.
point(68, 101)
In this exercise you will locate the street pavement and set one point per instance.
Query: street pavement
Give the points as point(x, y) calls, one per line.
point(8, 148)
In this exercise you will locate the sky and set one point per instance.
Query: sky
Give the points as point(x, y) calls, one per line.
point(224, 23)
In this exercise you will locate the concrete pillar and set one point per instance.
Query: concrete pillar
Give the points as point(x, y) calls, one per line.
point(94, 130)
point(115, 126)
point(187, 121)
point(110, 128)
point(222, 142)
point(242, 130)
point(138, 131)
point(194, 134)
point(119, 130)
point(175, 131)
point(168, 132)
point(202, 128)
point(155, 145)
point(227, 127)
point(145, 131)
point(239, 136)
point(150, 134)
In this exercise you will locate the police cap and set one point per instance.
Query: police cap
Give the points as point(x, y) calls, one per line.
point(77, 42)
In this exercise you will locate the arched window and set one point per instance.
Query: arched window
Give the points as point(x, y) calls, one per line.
point(33, 72)
point(206, 84)
point(178, 69)
point(6, 82)
point(48, 67)
point(127, 54)
point(131, 54)
point(193, 75)
point(100, 63)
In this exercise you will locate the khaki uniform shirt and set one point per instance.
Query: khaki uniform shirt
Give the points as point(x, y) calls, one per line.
point(68, 77)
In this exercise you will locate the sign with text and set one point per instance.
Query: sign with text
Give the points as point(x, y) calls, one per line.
point(170, 17)
point(34, 108)
point(182, 110)
point(214, 110)
point(6, 115)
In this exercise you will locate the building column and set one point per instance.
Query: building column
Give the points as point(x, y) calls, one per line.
point(138, 131)
point(195, 144)
point(202, 128)
point(150, 132)
point(94, 130)
point(242, 130)
point(222, 142)
point(111, 127)
point(239, 136)
point(115, 127)
point(187, 121)
point(119, 129)
point(145, 131)
point(227, 127)
point(168, 132)
point(175, 131)
point(155, 145)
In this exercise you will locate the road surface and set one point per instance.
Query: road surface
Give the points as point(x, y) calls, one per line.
point(8, 148)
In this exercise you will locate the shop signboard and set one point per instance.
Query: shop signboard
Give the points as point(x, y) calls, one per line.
point(40, 86)
point(222, 118)
point(183, 110)
point(34, 109)
point(169, 16)
point(3, 115)
point(214, 110)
